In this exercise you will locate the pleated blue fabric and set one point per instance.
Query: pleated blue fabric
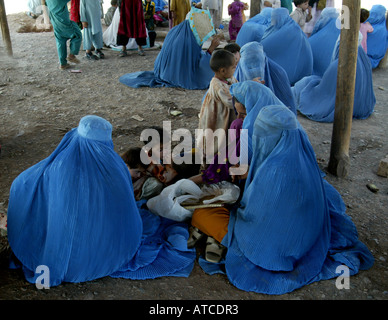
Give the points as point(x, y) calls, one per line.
point(254, 28)
point(254, 63)
point(163, 250)
point(286, 44)
point(315, 96)
point(181, 63)
point(254, 96)
point(75, 213)
point(377, 41)
point(291, 228)
point(323, 40)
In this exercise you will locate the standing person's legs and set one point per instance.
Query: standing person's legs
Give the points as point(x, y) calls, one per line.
point(122, 41)
point(75, 42)
point(152, 37)
point(98, 43)
point(141, 42)
point(62, 50)
point(88, 41)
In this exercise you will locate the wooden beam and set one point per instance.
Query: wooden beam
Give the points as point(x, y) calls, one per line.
point(5, 29)
point(254, 8)
point(346, 78)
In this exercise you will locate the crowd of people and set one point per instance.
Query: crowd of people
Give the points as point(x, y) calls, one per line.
point(88, 212)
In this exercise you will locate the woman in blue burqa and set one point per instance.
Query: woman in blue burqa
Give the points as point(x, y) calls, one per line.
point(377, 41)
point(286, 44)
point(253, 96)
point(75, 213)
point(254, 28)
point(315, 96)
point(255, 64)
point(181, 63)
point(323, 40)
point(290, 228)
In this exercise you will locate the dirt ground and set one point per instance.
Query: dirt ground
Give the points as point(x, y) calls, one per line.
point(39, 104)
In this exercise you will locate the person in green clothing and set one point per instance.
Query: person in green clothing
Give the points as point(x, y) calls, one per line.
point(64, 29)
point(287, 4)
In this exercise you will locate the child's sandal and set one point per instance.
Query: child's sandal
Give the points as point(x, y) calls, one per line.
point(194, 237)
point(214, 250)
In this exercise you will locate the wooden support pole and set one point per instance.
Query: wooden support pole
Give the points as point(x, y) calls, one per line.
point(346, 78)
point(255, 8)
point(5, 29)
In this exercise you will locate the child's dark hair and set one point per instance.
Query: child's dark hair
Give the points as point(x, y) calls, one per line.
point(364, 15)
point(232, 47)
point(132, 158)
point(163, 135)
point(113, 3)
point(186, 170)
point(221, 59)
point(299, 2)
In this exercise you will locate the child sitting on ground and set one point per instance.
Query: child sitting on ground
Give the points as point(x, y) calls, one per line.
point(148, 172)
point(145, 186)
point(217, 108)
point(300, 15)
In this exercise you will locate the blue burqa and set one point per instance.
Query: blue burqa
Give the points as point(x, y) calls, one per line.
point(315, 96)
point(254, 63)
point(254, 96)
point(181, 63)
point(75, 213)
point(290, 228)
point(377, 41)
point(323, 40)
point(286, 44)
point(253, 29)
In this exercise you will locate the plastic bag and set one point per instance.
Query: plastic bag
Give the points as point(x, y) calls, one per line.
point(169, 202)
point(223, 191)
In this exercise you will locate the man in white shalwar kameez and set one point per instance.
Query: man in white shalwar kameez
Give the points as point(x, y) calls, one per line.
point(90, 16)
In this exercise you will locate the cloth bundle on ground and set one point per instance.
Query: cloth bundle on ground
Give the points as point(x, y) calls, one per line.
point(254, 96)
point(323, 40)
point(286, 44)
point(181, 63)
point(169, 203)
point(377, 40)
point(291, 228)
point(74, 212)
point(254, 28)
point(315, 96)
point(254, 63)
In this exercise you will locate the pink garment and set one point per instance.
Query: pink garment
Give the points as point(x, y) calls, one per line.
point(365, 28)
point(235, 10)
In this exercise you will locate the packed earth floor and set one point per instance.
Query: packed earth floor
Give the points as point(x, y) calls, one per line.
point(39, 103)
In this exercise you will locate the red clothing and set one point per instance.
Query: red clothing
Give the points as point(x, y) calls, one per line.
point(74, 10)
point(132, 24)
